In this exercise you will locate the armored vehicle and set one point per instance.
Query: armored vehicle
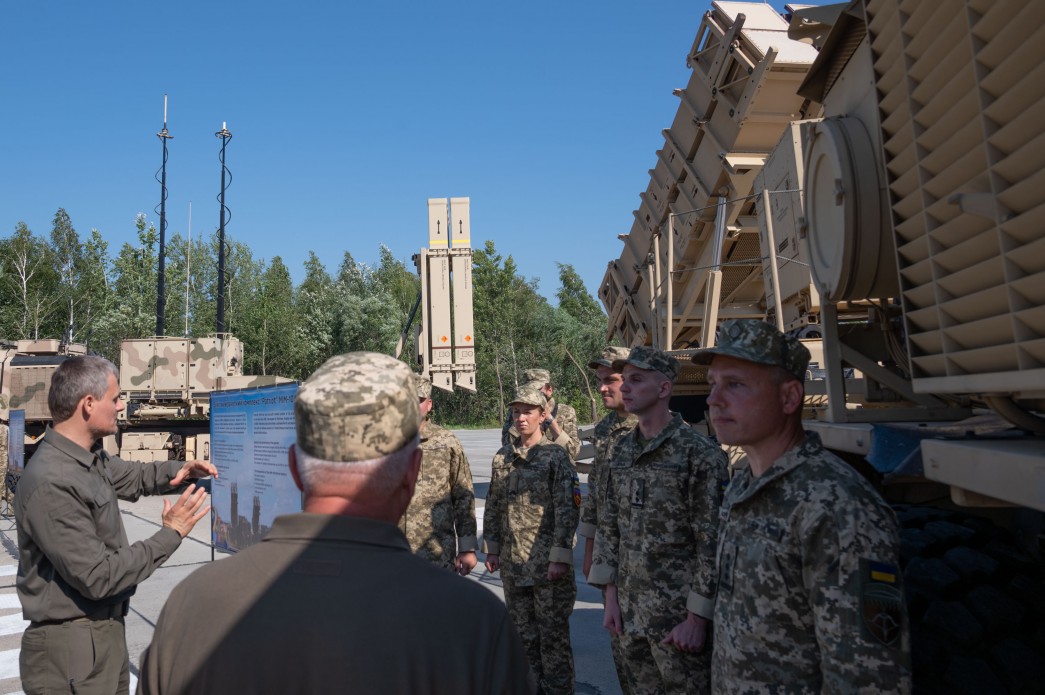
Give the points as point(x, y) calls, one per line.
point(166, 384)
point(26, 367)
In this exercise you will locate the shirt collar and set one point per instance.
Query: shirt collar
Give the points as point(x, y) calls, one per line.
point(337, 528)
point(70, 448)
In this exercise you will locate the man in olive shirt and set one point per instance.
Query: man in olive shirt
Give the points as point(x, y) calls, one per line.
point(76, 569)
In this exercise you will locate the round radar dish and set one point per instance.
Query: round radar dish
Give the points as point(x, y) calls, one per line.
point(849, 247)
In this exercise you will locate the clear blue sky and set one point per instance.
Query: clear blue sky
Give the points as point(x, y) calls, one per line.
point(345, 117)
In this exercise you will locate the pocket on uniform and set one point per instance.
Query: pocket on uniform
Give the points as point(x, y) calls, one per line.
point(79, 651)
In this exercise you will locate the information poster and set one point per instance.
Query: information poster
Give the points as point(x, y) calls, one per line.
point(16, 440)
point(250, 433)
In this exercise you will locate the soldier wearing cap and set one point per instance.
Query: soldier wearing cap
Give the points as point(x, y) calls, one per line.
point(560, 419)
point(441, 515)
point(529, 522)
point(607, 432)
point(809, 592)
point(655, 546)
point(332, 599)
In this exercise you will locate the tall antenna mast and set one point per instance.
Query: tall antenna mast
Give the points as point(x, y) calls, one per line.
point(164, 136)
point(188, 266)
point(225, 216)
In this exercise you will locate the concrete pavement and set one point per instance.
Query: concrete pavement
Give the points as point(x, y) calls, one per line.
point(595, 673)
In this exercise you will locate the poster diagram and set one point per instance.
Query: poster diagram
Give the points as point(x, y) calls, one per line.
point(250, 432)
point(16, 441)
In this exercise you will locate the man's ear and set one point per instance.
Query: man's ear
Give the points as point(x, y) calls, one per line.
point(791, 396)
point(292, 462)
point(413, 469)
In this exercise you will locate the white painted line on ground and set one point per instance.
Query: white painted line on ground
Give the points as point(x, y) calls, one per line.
point(12, 624)
point(8, 570)
point(9, 663)
point(9, 601)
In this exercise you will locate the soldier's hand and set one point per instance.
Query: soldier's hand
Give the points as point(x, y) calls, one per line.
point(465, 562)
point(183, 514)
point(193, 469)
point(690, 635)
point(493, 563)
point(557, 570)
point(611, 619)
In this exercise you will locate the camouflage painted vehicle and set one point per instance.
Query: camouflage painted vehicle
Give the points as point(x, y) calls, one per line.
point(26, 367)
point(166, 384)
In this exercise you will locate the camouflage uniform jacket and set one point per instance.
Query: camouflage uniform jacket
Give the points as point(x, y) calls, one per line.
point(531, 510)
point(440, 521)
point(565, 415)
point(809, 594)
point(606, 434)
point(656, 540)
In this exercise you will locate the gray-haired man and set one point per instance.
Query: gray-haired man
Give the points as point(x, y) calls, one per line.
point(332, 599)
point(76, 569)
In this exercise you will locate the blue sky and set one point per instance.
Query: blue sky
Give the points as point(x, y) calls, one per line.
point(345, 117)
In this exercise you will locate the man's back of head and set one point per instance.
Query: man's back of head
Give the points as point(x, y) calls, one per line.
point(357, 424)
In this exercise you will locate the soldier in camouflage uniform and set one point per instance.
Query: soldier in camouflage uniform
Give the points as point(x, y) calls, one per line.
point(655, 547)
point(441, 515)
point(530, 519)
point(809, 590)
point(610, 429)
point(560, 422)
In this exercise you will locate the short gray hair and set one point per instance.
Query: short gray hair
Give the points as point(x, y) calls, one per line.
point(384, 473)
point(76, 377)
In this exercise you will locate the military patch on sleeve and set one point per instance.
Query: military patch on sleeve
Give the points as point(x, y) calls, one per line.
point(881, 602)
point(576, 491)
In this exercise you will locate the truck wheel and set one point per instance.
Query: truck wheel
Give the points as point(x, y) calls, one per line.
point(976, 603)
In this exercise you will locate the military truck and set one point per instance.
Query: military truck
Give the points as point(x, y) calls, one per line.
point(870, 176)
point(26, 367)
point(166, 384)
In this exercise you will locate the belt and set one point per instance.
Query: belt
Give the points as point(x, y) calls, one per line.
point(113, 611)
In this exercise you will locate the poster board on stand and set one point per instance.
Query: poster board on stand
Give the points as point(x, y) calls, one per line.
point(250, 433)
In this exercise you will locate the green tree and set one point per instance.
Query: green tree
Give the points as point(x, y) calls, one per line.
point(30, 282)
point(314, 303)
point(272, 327)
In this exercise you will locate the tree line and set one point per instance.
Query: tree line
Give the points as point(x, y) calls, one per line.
point(73, 288)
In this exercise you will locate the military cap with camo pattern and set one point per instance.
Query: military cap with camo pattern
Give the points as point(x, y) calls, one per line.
point(609, 355)
point(530, 396)
point(424, 387)
point(357, 407)
point(646, 357)
point(537, 377)
point(759, 342)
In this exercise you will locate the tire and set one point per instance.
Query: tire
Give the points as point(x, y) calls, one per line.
point(976, 604)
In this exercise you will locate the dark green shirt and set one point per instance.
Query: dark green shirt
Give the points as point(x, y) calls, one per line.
point(73, 556)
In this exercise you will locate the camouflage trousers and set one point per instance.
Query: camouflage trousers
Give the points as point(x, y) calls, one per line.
point(541, 614)
point(653, 669)
point(618, 663)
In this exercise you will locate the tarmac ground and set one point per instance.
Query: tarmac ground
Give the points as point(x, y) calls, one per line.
point(591, 647)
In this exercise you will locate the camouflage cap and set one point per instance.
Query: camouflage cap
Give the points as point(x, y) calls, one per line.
point(537, 377)
point(530, 396)
point(424, 387)
point(356, 407)
point(609, 355)
point(759, 342)
point(646, 357)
